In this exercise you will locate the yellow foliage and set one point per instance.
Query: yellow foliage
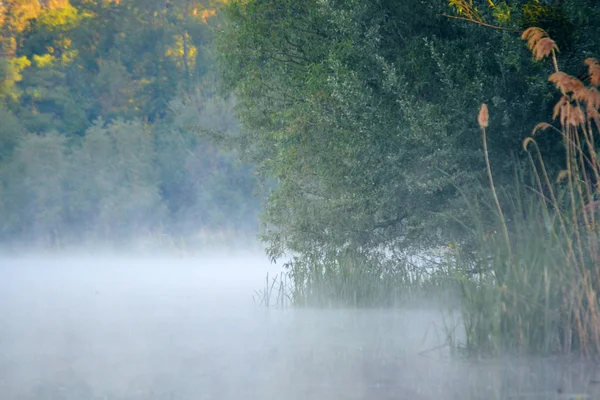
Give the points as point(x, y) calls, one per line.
point(20, 63)
point(22, 12)
point(43, 61)
point(206, 14)
point(11, 74)
point(68, 56)
point(501, 12)
point(177, 52)
point(60, 13)
point(467, 9)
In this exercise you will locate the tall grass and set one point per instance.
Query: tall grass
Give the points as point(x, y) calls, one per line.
point(538, 287)
point(277, 292)
point(350, 279)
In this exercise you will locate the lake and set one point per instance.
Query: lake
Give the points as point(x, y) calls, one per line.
point(158, 328)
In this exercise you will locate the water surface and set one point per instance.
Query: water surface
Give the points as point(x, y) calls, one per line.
point(171, 328)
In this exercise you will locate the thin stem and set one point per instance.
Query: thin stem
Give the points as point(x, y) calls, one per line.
point(482, 23)
point(489, 172)
point(555, 61)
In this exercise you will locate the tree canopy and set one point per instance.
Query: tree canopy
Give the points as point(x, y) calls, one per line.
point(365, 111)
point(97, 104)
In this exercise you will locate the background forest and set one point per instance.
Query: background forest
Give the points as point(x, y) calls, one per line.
point(103, 105)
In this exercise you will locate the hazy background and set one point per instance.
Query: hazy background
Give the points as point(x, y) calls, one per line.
point(112, 131)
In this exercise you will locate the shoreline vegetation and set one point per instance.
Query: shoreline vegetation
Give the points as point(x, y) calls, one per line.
point(534, 287)
point(539, 289)
point(528, 281)
point(344, 134)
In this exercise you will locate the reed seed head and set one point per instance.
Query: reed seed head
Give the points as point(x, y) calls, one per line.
point(566, 83)
point(594, 71)
point(592, 98)
point(542, 126)
point(483, 117)
point(533, 35)
point(575, 116)
point(558, 108)
point(592, 113)
point(526, 142)
point(538, 42)
point(544, 48)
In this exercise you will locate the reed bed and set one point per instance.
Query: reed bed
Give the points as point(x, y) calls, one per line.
point(537, 290)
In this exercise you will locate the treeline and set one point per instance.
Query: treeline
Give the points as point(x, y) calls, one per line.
point(104, 112)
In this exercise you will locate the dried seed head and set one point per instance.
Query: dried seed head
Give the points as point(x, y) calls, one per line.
point(538, 42)
point(543, 48)
point(581, 95)
point(594, 71)
point(558, 108)
point(593, 98)
point(575, 116)
point(593, 114)
point(590, 97)
point(542, 126)
point(527, 141)
point(565, 82)
point(483, 117)
point(532, 36)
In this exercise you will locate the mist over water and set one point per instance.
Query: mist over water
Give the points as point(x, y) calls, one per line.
point(91, 327)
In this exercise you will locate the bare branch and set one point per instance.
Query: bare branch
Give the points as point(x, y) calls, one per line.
point(481, 23)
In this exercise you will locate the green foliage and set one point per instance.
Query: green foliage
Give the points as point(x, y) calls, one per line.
point(356, 107)
point(95, 99)
point(11, 131)
point(35, 188)
point(553, 19)
point(10, 74)
point(538, 284)
point(213, 186)
point(363, 114)
point(117, 193)
point(120, 181)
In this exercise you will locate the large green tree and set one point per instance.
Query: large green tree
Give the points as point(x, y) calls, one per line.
point(365, 113)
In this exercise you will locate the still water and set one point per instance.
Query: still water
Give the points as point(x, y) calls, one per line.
point(92, 328)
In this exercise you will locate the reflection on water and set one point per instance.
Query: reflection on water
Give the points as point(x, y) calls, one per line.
point(165, 329)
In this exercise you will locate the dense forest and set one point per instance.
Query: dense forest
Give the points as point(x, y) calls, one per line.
point(109, 112)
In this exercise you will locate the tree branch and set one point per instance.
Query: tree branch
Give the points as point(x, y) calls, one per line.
point(481, 23)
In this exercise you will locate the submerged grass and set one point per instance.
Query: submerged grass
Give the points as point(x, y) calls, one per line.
point(349, 279)
point(277, 292)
